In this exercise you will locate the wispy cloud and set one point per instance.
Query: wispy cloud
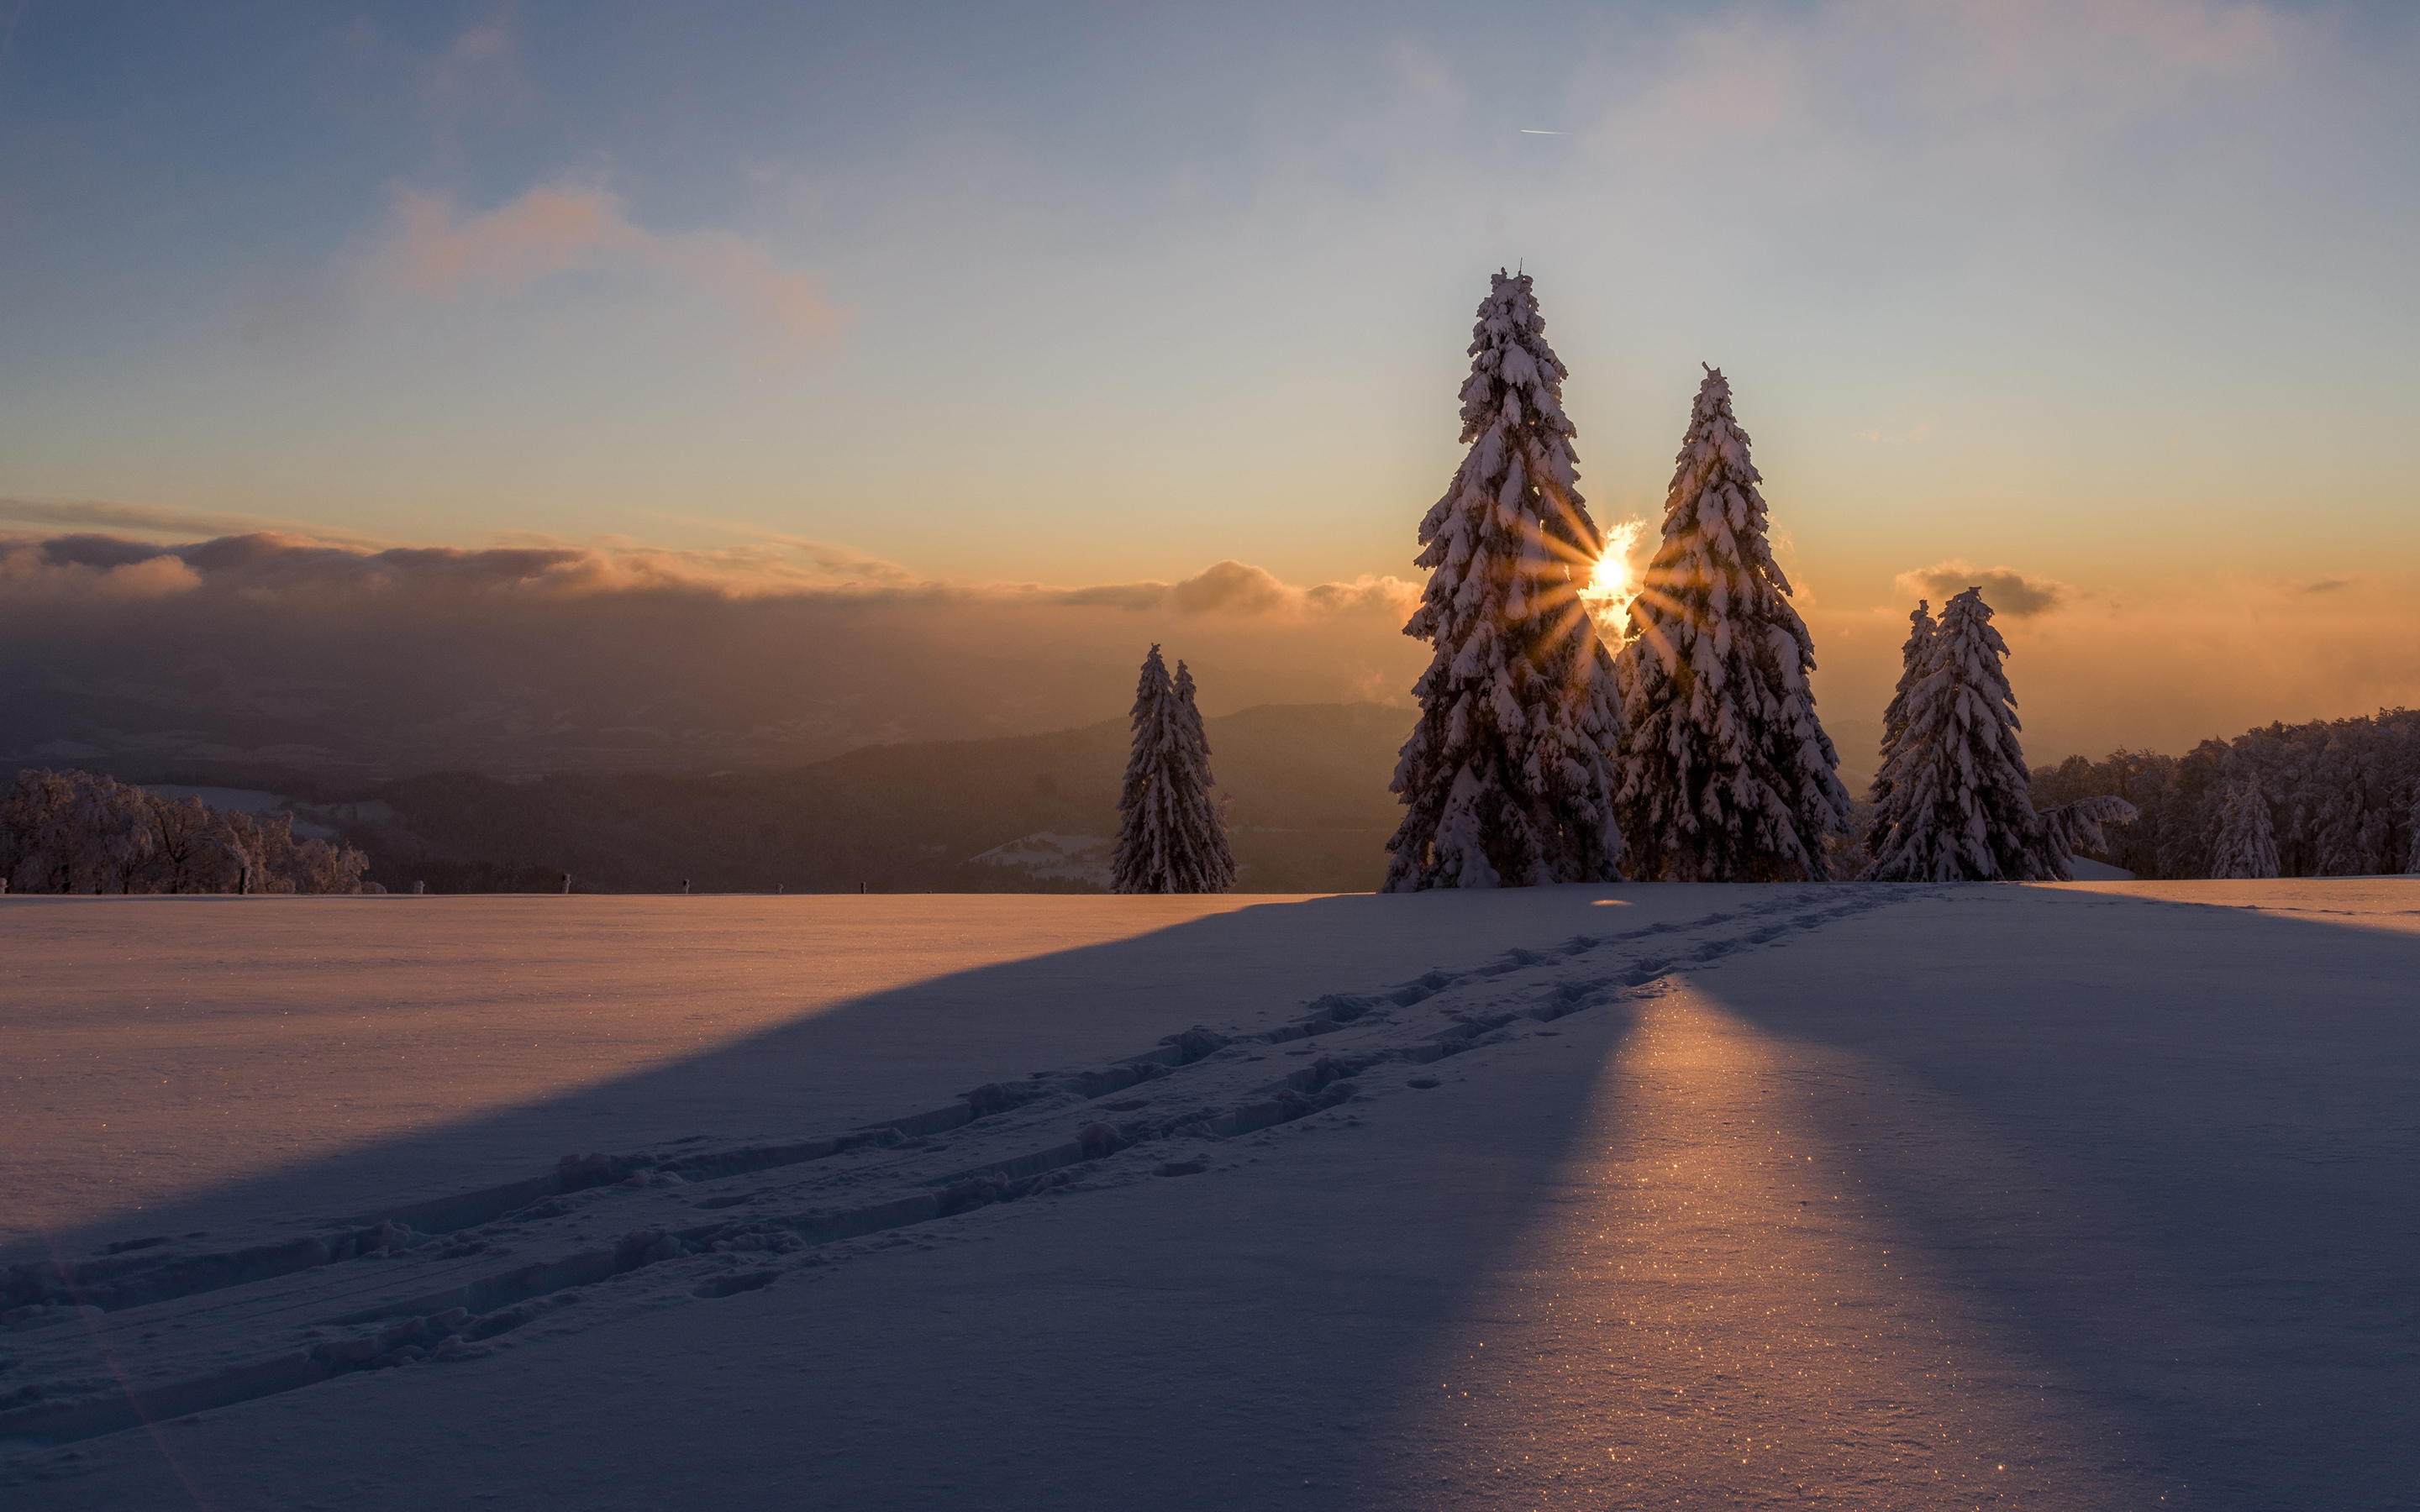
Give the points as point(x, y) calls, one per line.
point(434, 249)
point(1835, 88)
point(2007, 590)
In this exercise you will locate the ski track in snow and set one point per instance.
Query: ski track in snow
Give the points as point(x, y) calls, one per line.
point(180, 1330)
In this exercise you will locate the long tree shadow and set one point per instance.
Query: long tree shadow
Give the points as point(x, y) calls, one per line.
point(900, 1053)
point(2169, 1144)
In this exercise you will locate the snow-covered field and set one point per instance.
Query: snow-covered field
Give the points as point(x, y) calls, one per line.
point(2093, 1195)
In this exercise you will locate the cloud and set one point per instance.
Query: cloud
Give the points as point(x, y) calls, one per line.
point(152, 519)
point(2319, 585)
point(1847, 91)
point(275, 648)
point(1235, 588)
point(90, 567)
point(2007, 590)
point(433, 249)
point(266, 567)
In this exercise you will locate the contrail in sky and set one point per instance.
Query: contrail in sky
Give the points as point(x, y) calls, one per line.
point(1526, 131)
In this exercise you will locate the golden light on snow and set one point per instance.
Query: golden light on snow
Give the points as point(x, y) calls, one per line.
point(1714, 1291)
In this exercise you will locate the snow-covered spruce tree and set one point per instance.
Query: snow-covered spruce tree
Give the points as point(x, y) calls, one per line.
point(1726, 775)
point(1505, 778)
point(1913, 656)
point(1960, 808)
point(1172, 838)
point(2246, 842)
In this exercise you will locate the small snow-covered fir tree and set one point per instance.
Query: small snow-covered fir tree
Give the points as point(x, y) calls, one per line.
point(1913, 656)
point(1214, 861)
point(1171, 837)
point(1505, 778)
point(2246, 842)
point(1726, 775)
point(1960, 808)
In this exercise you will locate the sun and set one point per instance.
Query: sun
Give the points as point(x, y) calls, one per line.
point(1611, 585)
point(1611, 579)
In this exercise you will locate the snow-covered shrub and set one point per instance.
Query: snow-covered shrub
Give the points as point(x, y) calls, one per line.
point(1726, 775)
point(2080, 826)
point(1507, 779)
point(78, 832)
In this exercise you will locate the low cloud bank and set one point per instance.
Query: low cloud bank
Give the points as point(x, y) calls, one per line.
point(283, 564)
point(274, 649)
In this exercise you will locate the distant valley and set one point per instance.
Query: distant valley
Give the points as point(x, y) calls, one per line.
point(1306, 786)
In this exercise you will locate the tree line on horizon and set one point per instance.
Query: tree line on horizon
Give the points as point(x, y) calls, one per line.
point(78, 832)
point(2330, 797)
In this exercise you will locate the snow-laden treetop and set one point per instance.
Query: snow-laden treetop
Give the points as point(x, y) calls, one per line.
point(1520, 441)
point(1714, 557)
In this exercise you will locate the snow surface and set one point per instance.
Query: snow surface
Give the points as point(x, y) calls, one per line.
point(2082, 1195)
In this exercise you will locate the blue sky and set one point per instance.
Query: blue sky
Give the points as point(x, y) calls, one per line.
point(2116, 295)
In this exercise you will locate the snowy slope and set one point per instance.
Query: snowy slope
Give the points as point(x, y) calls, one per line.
point(1897, 1196)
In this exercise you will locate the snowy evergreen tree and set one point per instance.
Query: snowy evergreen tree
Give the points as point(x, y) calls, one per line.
point(1913, 656)
point(2247, 843)
point(1505, 777)
point(1214, 869)
point(1726, 775)
point(1960, 808)
point(1171, 837)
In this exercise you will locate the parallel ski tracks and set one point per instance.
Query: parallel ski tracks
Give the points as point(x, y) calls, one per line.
point(434, 1280)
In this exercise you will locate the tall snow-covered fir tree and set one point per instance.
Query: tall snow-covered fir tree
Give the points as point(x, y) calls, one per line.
point(1171, 837)
point(1957, 805)
point(1913, 654)
point(1505, 778)
point(1726, 775)
point(2246, 842)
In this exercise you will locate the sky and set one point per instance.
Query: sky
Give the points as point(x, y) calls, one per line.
point(2105, 302)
